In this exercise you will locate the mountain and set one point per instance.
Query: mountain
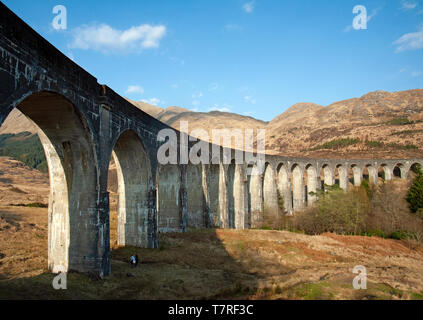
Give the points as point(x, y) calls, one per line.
point(378, 124)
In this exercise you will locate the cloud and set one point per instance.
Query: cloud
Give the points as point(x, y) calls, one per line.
point(410, 41)
point(222, 109)
point(248, 7)
point(408, 5)
point(105, 39)
point(175, 86)
point(233, 27)
point(213, 86)
point(197, 95)
point(416, 74)
point(249, 99)
point(134, 89)
point(153, 101)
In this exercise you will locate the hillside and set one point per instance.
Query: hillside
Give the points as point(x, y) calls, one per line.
point(391, 123)
point(214, 264)
point(378, 124)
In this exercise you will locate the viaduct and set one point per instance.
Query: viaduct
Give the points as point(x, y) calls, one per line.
point(82, 124)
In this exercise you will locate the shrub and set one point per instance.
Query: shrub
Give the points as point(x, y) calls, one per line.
point(400, 122)
point(415, 193)
point(336, 144)
point(336, 211)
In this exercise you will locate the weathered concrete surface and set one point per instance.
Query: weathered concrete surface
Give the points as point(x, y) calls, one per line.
point(82, 124)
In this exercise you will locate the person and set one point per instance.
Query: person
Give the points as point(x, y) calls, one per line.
point(132, 260)
point(136, 260)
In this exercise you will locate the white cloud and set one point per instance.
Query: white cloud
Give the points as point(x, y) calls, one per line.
point(408, 5)
point(410, 41)
point(175, 86)
point(153, 101)
point(416, 74)
point(223, 109)
point(250, 99)
point(233, 27)
point(213, 86)
point(248, 7)
point(134, 89)
point(195, 103)
point(106, 39)
point(197, 95)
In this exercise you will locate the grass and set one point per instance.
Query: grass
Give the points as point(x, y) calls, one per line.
point(378, 144)
point(211, 264)
point(336, 144)
point(400, 122)
point(406, 132)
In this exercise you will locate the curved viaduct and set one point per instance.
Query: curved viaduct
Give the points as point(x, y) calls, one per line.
point(82, 124)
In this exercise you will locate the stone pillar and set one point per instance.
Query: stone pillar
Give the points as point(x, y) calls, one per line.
point(183, 198)
point(256, 198)
point(298, 188)
point(223, 197)
point(311, 185)
point(343, 178)
point(358, 175)
point(270, 195)
point(284, 187)
point(373, 178)
point(328, 176)
point(212, 194)
point(240, 199)
point(389, 173)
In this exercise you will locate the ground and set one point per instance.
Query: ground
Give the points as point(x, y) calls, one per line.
point(214, 264)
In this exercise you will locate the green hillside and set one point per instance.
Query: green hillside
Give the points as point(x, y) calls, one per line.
point(25, 147)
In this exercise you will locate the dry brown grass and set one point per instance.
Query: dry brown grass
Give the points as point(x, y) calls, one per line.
point(210, 264)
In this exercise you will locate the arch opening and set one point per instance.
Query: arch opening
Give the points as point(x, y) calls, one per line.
point(73, 201)
point(133, 173)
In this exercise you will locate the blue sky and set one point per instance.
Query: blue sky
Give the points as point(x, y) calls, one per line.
point(250, 57)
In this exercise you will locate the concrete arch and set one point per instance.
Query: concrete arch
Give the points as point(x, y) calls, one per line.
point(327, 173)
point(270, 194)
point(196, 215)
point(372, 175)
point(385, 172)
point(169, 199)
point(134, 174)
point(342, 172)
point(413, 168)
point(284, 187)
point(312, 184)
point(255, 192)
point(298, 196)
point(357, 172)
point(74, 241)
point(214, 194)
point(399, 171)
